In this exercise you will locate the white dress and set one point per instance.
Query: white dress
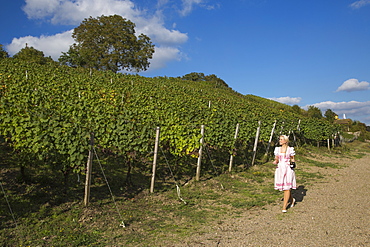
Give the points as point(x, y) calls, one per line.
point(284, 175)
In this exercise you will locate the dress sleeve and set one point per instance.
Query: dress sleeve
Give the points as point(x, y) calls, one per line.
point(292, 151)
point(276, 151)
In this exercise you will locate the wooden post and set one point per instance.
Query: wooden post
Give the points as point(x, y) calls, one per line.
point(328, 144)
point(299, 125)
point(88, 171)
point(155, 159)
point(232, 156)
point(197, 176)
point(256, 142)
point(270, 140)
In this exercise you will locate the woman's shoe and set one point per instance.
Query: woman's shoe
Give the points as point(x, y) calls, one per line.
point(284, 211)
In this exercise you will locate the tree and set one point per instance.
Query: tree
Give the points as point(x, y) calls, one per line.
point(218, 82)
point(32, 55)
point(196, 76)
point(3, 53)
point(72, 58)
point(297, 109)
point(109, 43)
point(314, 112)
point(330, 115)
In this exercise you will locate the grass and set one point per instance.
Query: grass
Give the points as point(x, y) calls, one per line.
point(46, 216)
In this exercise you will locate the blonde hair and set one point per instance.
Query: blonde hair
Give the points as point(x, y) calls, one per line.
point(286, 138)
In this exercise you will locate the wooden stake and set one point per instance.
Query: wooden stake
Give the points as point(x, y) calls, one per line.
point(270, 140)
point(232, 156)
point(197, 176)
point(155, 159)
point(88, 171)
point(256, 142)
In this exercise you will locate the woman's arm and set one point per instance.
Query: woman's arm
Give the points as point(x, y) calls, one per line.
point(276, 161)
point(292, 158)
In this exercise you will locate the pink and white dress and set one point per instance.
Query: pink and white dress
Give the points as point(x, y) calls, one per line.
point(284, 175)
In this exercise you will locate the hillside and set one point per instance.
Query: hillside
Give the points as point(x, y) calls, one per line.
point(48, 114)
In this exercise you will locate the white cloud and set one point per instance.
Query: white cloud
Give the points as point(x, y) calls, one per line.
point(50, 45)
point(354, 110)
point(188, 6)
point(287, 100)
point(73, 12)
point(359, 4)
point(162, 55)
point(354, 85)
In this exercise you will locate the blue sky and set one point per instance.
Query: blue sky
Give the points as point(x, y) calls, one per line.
point(304, 52)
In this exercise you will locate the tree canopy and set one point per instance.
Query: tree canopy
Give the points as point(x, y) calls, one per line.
point(196, 76)
point(3, 53)
point(314, 112)
point(32, 55)
point(109, 43)
point(330, 115)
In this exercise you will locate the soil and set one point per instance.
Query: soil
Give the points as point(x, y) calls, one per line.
point(332, 212)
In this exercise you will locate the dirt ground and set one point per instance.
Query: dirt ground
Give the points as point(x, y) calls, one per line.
point(333, 212)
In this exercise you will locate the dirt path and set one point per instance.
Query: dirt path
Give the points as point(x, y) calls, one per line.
point(331, 213)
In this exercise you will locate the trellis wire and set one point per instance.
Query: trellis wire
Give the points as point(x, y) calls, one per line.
point(7, 201)
point(177, 186)
point(110, 190)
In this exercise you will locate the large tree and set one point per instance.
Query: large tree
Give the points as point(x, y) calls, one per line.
point(109, 43)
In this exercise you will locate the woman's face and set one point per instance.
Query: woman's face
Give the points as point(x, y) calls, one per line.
point(282, 140)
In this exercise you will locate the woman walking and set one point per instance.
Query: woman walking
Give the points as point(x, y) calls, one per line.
point(284, 173)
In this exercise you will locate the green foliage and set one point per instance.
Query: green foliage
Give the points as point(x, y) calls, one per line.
point(195, 76)
point(108, 43)
point(330, 115)
point(48, 113)
point(314, 112)
point(297, 109)
point(32, 55)
point(3, 53)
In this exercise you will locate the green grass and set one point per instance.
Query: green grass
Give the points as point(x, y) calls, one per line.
point(46, 216)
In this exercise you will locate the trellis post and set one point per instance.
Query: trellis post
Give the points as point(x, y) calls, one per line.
point(197, 176)
point(232, 155)
point(270, 140)
point(88, 171)
point(155, 158)
point(256, 142)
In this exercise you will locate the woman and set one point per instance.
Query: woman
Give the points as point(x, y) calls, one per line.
point(284, 174)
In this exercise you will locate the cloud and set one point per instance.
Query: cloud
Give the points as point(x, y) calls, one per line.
point(359, 4)
point(50, 45)
point(354, 85)
point(162, 55)
point(353, 109)
point(287, 100)
point(73, 12)
point(188, 6)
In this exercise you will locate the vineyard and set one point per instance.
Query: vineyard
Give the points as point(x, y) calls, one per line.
point(48, 112)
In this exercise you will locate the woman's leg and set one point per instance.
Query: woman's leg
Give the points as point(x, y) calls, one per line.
point(287, 198)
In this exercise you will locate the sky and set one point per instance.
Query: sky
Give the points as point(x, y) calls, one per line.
point(298, 52)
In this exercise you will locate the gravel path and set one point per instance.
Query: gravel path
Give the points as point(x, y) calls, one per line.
point(335, 212)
